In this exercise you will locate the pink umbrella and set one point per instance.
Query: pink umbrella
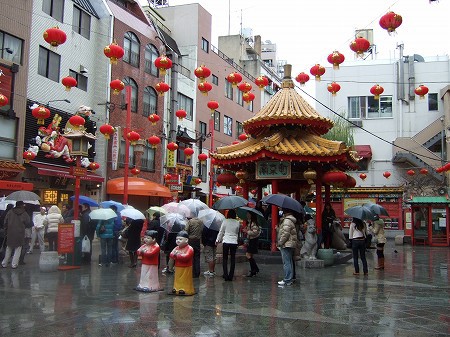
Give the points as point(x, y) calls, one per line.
point(175, 207)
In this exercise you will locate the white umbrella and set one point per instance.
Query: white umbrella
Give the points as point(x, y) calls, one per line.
point(211, 218)
point(132, 213)
point(102, 214)
point(194, 205)
point(4, 203)
point(173, 222)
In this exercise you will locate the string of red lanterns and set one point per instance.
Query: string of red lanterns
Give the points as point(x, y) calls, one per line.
point(69, 82)
point(234, 78)
point(113, 52)
point(202, 73)
point(302, 78)
point(336, 58)
point(163, 63)
point(390, 21)
point(333, 88)
point(317, 71)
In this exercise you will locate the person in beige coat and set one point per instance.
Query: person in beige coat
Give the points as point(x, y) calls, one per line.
point(286, 243)
point(378, 231)
point(52, 221)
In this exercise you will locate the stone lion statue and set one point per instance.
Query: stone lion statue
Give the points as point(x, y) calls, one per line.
point(309, 249)
point(338, 239)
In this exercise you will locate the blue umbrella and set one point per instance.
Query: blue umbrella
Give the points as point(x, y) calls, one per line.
point(283, 201)
point(85, 200)
point(109, 203)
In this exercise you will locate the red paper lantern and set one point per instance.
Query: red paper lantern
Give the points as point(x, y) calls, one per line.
point(376, 90)
point(154, 118)
point(421, 91)
point(334, 177)
point(410, 172)
point(248, 97)
point(163, 63)
point(133, 137)
point(172, 146)
point(424, 171)
point(28, 155)
point(234, 78)
point(333, 88)
point(350, 182)
point(204, 87)
point(363, 176)
point(238, 189)
point(254, 192)
point(245, 87)
point(214, 162)
point(113, 52)
point(117, 86)
point(189, 151)
point(387, 174)
point(94, 166)
point(77, 121)
point(69, 82)
point(135, 171)
point(202, 157)
point(55, 36)
point(227, 179)
point(438, 170)
point(202, 73)
point(181, 114)
point(390, 21)
point(167, 176)
point(40, 113)
point(197, 181)
point(154, 141)
point(336, 58)
point(241, 175)
point(107, 130)
point(243, 136)
point(317, 71)
point(360, 45)
point(302, 78)
point(235, 142)
point(262, 81)
point(3, 100)
point(162, 87)
point(213, 105)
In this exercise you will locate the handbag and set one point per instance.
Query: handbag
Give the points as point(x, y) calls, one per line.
point(86, 245)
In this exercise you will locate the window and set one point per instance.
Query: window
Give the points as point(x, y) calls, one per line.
point(228, 125)
point(10, 48)
point(229, 90)
point(8, 138)
point(240, 98)
point(81, 80)
point(131, 46)
point(215, 80)
point(217, 120)
point(186, 104)
point(205, 45)
point(48, 64)
point(150, 101)
point(148, 158)
point(203, 128)
point(81, 22)
point(433, 102)
point(368, 107)
point(131, 162)
point(134, 93)
point(54, 8)
point(356, 107)
point(151, 54)
point(181, 156)
point(204, 172)
point(250, 106)
point(239, 128)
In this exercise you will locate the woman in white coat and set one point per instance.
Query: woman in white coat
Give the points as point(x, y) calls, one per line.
point(228, 234)
point(54, 218)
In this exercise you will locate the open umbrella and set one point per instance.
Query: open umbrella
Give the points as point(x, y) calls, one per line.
point(4, 203)
point(102, 214)
point(132, 213)
point(360, 212)
point(82, 199)
point(211, 218)
point(230, 202)
point(377, 209)
point(25, 196)
point(152, 210)
point(173, 222)
point(283, 201)
point(194, 205)
point(241, 212)
point(109, 203)
point(175, 207)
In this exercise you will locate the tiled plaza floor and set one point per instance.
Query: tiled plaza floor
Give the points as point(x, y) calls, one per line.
point(411, 297)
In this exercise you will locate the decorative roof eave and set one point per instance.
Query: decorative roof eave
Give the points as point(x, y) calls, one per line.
point(318, 126)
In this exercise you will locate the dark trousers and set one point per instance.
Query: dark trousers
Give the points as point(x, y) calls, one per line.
point(195, 243)
point(115, 250)
point(229, 248)
point(52, 238)
point(359, 248)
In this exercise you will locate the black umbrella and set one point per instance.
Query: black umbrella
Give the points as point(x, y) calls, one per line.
point(283, 201)
point(377, 209)
point(241, 212)
point(230, 202)
point(360, 212)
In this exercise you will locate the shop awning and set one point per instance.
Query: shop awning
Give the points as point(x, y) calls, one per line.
point(138, 186)
point(60, 171)
point(364, 151)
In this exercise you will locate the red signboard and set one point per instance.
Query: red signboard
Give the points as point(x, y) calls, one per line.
point(173, 180)
point(66, 238)
point(78, 171)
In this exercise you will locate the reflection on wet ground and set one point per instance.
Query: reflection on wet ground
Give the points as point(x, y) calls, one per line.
point(409, 298)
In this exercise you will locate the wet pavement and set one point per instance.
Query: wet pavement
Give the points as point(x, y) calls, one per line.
point(411, 297)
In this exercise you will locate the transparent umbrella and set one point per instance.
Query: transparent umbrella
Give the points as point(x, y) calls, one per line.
point(175, 207)
point(152, 210)
point(194, 206)
point(173, 222)
point(24, 196)
point(211, 218)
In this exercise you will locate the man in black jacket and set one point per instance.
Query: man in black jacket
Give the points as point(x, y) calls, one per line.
point(86, 228)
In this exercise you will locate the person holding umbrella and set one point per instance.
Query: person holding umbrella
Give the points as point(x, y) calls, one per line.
point(228, 235)
point(378, 231)
point(134, 239)
point(253, 231)
point(357, 234)
point(286, 243)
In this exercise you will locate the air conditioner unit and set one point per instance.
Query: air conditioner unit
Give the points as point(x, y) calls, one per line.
point(357, 123)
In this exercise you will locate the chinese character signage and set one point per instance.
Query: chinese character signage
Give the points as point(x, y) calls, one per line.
point(171, 155)
point(115, 149)
point(273, 169)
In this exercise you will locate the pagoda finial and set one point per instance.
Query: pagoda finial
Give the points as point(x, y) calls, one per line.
point(287, 79)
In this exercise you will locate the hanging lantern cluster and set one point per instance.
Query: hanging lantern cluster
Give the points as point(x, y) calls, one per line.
point(360, 45)
point(202, 73)
point(202, 157)
point(243, 137)
point(154, 141)
point(135, 171)
point(28, 156)
point(386, 174)
point(162, 88)
point(213, 105)
point(241, 175)
point(3, 100)
point(172, 146)
point(153, 118)
point(390, 22)
point(262, 81)
point(107, 130)
point(181, 114)
point(363, 176)
point(245, 87)
point(69, 82)
point(117, 86)
point(40, 113)
point(248, 97)
point(317, 71)
point(234, 78)
point(421, 91)
point(302, 78)
point(204, 87)
point(376, 91)
point(113, 52)
point(133, 137)
point(94, 166)
point(77, 122)
point(188, 152)
point(336, 58)
point(333, 88)
point(55, 36)
point(163, 63)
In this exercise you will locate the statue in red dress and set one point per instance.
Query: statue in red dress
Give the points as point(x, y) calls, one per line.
point(183, 256)
point(149, 252)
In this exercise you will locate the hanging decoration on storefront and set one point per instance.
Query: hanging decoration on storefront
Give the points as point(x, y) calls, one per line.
point(69, 82)
point(376, 91)
point(421, 91)
point(154, 118)
point(243, 136)
point(135, 171)
point(172, 146)
point(302, 78)
point(55, 36)
point(94, 166)
point(117, 86)
point(333, 88)
point(234, 78)
point(410, 173)
point(181, 114)
point(241, 175)
point(390, 22)
point(262, 81)
point(3, 100)
point(28, 156)
point(387, 174)
point(162, 88)
point(360, 45)
point(336, 58)
point(154, 141)
point(133, 137)
point(40, 113)
point(227, 179)
point(163, 63)
point(334, 177)
point(188, 152)
point(245, 87)
point(317, 71)
point(204, 87)
point(114, 52)
point(213, 106)
point(202, 157)
point(202, 73)
point(248, 97)
point(363, 176)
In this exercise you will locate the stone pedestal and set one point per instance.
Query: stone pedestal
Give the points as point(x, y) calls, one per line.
point(48, 262)
point(310, 264)
point(399, 240)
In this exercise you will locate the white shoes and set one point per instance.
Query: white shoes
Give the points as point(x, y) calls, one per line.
point(284, 283)
point(209, 274)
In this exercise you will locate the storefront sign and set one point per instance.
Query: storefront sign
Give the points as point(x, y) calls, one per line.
point(273, 169)
point(115, 149)
point(174, 179)
point(350, 202)
point(66, 238)
point(78, 171)
point(171, 162)
point(176, 188)
point(15, 185)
